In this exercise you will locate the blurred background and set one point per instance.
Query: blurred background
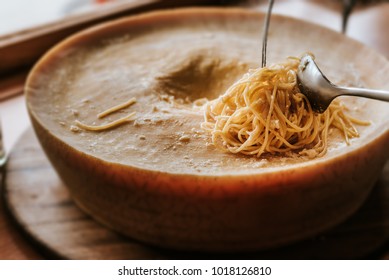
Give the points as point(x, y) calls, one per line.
point(367, 22)
point(16, 15)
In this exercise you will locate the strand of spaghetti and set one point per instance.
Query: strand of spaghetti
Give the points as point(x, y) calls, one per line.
point(110, 125)
point(358, 122)
point(264, 144)
point(350, 127)
point(327, 124)
point(291, 124)
point(117, 108)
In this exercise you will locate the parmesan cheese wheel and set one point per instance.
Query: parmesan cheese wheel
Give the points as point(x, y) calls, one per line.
point(155, 177)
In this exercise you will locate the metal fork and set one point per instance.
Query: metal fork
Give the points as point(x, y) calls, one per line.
point(320, 91)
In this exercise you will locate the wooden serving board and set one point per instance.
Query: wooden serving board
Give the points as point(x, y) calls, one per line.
point(41, 206)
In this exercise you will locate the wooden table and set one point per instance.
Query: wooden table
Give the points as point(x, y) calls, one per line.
point(367, 24)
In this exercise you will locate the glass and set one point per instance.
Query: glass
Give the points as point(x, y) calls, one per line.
point(2, 151)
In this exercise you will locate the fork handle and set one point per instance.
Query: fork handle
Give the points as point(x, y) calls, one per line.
point(368, 93)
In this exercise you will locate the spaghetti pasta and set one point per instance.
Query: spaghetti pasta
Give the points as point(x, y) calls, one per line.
point(117, 108)
point(112, 124)
point(265, 112)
